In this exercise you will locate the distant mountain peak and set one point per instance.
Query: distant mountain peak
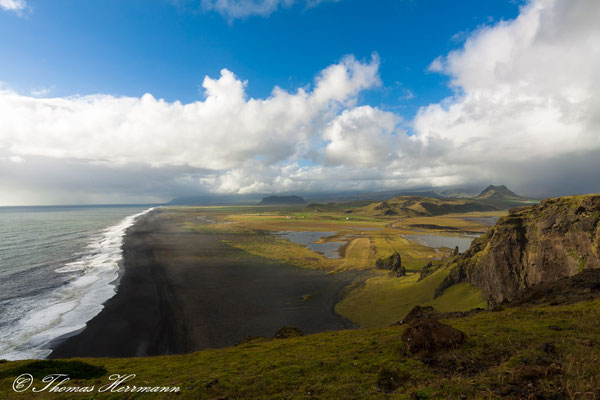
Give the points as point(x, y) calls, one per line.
point(496, 192)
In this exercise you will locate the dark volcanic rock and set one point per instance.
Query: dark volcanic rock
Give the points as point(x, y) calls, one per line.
point(392, 263)
point(583, 286)
point(431, 335)
point(532, 245)
point(288, 332)
point(427, 270)
point(420, 312)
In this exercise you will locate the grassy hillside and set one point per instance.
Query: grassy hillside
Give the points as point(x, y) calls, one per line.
point(385, 299)
point(515, 353)
point(414, 206)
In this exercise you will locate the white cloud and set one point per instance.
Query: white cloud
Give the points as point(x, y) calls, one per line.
point(364, 137)
point(13, 5)
point(41, 92)
point(234, 9)
point(436, 65)
point(525, 112)
point(526, 91)
point(224, 132)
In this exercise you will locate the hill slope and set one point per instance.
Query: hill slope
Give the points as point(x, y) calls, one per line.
point(502, 198)
point(498, 192)
point(282, 200)
point(559, 238)
point(412, 206)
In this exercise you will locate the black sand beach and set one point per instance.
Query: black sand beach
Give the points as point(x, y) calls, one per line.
point(184, 291)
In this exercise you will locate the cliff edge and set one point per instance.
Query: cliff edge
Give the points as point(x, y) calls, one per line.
point(542, 243)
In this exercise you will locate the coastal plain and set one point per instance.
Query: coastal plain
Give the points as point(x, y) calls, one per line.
point(209, 277)
point(377, 297)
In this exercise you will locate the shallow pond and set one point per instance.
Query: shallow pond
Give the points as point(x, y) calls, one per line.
point(437, 241)
point(308, 239)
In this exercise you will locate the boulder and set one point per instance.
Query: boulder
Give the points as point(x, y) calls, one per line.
point(427, 334)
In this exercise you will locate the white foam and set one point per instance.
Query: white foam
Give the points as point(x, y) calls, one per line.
point(40, 320)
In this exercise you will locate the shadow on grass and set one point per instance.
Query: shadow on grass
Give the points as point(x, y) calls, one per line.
point(42, 368)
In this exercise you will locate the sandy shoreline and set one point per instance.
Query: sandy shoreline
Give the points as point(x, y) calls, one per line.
point(183, 291)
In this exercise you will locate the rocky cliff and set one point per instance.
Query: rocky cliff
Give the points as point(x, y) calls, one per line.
point(543, 243)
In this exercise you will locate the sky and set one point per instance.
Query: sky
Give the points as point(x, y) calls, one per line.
point(138, 101)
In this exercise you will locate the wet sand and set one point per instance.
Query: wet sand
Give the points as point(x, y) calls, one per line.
point(184, 291)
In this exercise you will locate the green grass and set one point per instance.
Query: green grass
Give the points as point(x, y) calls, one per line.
point(386, 299)
point(274, 248)
point(41, 368)
point(460, 297)
point(359, 254)
point(350, 364)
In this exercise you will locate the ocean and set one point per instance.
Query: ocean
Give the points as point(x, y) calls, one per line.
point(58, 265)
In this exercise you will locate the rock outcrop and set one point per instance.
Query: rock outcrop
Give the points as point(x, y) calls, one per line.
point(419, 312)
point(426, 334)
point(392, 263)
point(543, 243)
point(581, 287)
point(426, 271)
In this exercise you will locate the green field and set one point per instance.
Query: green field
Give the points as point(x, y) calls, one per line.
point(385, 299)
